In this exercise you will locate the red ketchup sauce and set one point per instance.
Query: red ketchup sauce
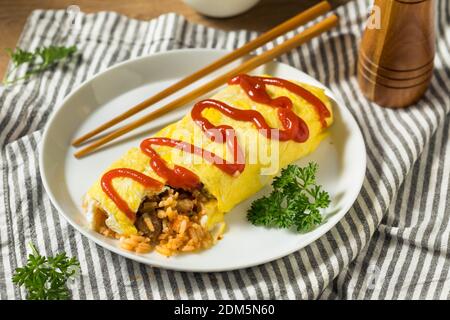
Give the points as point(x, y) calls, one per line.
point(180, 177)
point(294, 128)
point(106, 183)
point(255, 87)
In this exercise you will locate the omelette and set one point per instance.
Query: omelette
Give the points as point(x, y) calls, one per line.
point(171, 192)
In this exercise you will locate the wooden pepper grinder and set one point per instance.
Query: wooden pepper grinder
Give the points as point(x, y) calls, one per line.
point(395, 61)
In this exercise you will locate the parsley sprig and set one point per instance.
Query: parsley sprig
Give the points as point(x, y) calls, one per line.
point(38, 60)
point(46, 278)
point(295, 201)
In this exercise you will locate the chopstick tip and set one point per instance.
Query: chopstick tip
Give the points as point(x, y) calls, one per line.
point(78, 141)
point(80, 154)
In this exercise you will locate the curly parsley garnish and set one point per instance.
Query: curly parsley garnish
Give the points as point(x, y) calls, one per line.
point(294, 202)
point(46, 278)
point(39, 60)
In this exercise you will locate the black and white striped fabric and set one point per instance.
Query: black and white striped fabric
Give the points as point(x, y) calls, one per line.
point(394, 242)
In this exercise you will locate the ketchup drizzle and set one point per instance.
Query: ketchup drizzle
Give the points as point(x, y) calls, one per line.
point(294, 128)
point(106, 183)
point(180, 177)
point(255, 88)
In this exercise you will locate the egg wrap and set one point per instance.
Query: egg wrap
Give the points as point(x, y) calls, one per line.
point(264, 158)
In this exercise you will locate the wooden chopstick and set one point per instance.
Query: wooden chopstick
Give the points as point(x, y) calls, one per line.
point(254, 62)
point(282, 28)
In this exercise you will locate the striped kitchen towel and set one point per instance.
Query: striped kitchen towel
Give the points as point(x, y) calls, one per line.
point(394, 242)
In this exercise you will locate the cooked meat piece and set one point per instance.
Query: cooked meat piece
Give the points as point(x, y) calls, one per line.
point(149, 206)
point(185, 206)
point(143, 226)
point(202, 195)
point(184, 194)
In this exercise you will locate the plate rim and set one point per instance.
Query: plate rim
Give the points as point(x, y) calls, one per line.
point(142, 259)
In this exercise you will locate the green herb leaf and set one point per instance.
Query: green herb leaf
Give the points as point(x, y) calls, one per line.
point(39, 60)
point(295, 201)
point(20, 56)
point(52, 54)
point(46, 278)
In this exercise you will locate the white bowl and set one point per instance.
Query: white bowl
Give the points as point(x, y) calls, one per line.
point(221, 8)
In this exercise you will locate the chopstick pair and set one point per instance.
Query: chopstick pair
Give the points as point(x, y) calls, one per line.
point(248, 65)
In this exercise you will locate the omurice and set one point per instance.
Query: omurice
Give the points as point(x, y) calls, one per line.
point(171, 192)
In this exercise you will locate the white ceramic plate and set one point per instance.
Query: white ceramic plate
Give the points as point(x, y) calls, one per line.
point(341, 158)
